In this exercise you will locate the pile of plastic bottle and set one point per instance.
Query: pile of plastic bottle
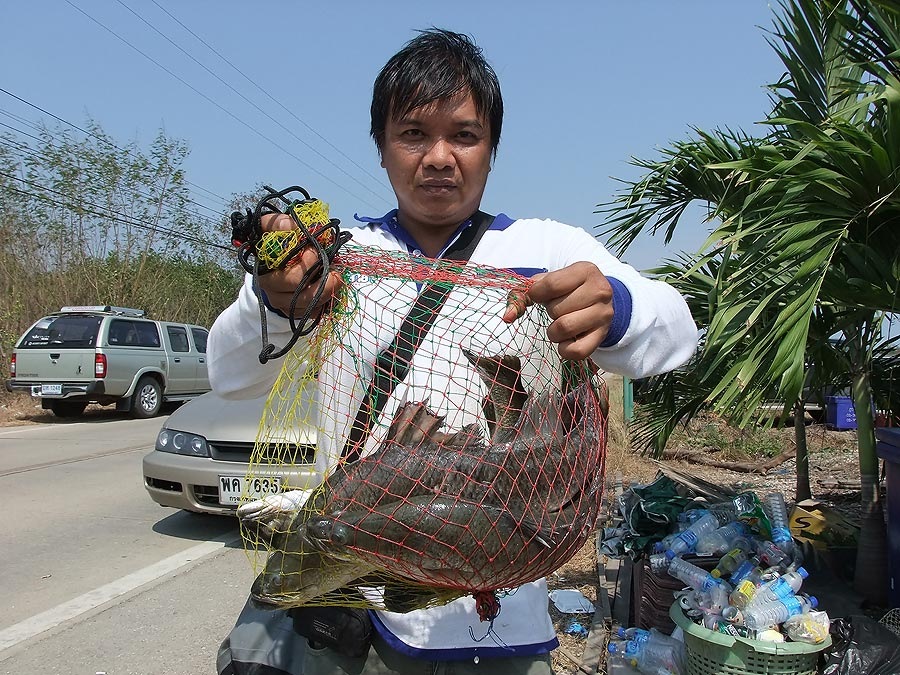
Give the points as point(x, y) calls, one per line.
point(755, 589)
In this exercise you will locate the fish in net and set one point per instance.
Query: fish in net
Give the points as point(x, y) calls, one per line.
point(482, 471)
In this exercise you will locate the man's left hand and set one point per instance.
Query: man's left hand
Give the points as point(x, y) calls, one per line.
point(578, 299)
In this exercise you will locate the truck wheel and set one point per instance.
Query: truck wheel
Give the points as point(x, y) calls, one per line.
point(62, 408)
point(147, 398)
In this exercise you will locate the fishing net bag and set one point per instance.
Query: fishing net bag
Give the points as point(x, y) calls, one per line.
point(474, 469)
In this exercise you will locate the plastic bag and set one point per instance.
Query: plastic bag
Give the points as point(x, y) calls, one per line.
point(862, 645)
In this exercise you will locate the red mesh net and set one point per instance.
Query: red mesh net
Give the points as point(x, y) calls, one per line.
point(482, 471)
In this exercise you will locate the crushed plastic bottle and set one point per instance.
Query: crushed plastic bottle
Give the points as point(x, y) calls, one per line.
point(722, 539)
point(769, 614)
point(686, 540)
point(771, 555)
point(712, 593)
point(659, 653)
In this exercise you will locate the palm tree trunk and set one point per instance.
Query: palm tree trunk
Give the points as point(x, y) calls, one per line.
point(803, 490)
point(872, 556)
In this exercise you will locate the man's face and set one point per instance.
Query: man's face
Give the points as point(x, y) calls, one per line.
point(437, 159)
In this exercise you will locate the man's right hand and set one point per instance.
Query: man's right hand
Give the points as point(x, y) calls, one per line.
point(280, 285)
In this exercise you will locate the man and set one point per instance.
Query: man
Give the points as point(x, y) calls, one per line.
point(436, 117)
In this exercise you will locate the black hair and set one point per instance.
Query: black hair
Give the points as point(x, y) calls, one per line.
point(436, 65)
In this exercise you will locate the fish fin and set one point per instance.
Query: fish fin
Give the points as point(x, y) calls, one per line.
point(541, 535)
point(502, 374)
point(463, 439)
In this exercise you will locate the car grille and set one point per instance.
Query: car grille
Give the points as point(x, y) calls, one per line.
point(272, 453)
point(208, 495)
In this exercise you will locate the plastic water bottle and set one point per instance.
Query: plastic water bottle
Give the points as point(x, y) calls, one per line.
point(778, 515)
point(744, 569)
point(695, 577)
point(722, 539)
point(780, 587)
point(729, 562)
point(771, 555)
point(659, 653)
point(744, 591)
point(635, 634)
point(659, 563)
point(770, 614)
point(712, 592)
point(686, 540)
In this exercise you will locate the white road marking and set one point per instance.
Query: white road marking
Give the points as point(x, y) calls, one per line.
point(26, 427)
point(66, 611)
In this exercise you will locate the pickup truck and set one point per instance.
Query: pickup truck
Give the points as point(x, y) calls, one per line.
point(103, 354)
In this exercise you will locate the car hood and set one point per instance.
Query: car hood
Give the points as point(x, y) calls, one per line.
point(220, 419)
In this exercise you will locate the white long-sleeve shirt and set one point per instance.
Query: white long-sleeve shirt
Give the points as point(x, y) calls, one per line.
point(652, 332)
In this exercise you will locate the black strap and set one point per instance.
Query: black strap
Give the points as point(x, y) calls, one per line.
point(392, 364)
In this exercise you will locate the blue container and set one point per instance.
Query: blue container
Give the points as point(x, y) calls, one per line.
point(839, 413)
point(888, 448)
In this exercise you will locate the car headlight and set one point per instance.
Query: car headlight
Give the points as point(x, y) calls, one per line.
point(182, 443)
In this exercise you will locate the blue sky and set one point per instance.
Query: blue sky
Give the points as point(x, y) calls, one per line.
point(587, 84)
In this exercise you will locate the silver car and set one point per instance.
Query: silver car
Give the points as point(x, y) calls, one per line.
point(104, 354)
point(202, 452)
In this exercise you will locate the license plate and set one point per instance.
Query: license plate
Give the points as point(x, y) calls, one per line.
point(232, 488)
point(51, 389)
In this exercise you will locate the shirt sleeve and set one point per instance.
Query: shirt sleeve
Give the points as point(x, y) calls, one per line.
point(235, 342)
point(660, 334)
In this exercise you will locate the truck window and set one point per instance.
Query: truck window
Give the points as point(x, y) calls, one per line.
point(147, 334)
point(178, 339)
point(123, 332)
point(200, 337)
point(70, 331)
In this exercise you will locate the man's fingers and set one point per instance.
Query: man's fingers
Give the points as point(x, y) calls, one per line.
point(516, 304)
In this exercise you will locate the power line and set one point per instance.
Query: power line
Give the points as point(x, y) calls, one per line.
point(217, 105)
point(33, 152)
point(257, 107)
point(269, 96)
point(198, 216)
point(106, 212)
point(91, 134)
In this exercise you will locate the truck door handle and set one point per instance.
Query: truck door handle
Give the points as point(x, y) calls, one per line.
point(202, 360)
point(177, 360)
point(54, 356)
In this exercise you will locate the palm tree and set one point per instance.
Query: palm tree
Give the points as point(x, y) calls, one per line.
point(805, 239)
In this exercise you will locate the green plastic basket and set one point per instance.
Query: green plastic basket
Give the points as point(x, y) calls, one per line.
point(712, 653)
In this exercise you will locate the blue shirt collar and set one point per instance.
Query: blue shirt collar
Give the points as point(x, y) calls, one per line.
point(389, 223)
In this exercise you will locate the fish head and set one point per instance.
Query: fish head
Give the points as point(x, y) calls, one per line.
point(287, 576)
point(326, 531)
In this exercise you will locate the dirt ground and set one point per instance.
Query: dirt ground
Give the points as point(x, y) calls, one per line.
point(833, 474)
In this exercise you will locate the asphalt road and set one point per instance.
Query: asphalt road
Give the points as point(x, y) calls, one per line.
point(95, 577)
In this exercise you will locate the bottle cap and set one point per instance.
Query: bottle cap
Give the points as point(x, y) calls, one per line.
point(802, 572)
point(670, 554)
point(813, 601)
point(715, 574)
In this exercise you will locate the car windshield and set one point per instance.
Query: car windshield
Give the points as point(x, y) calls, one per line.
point(53, 332)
